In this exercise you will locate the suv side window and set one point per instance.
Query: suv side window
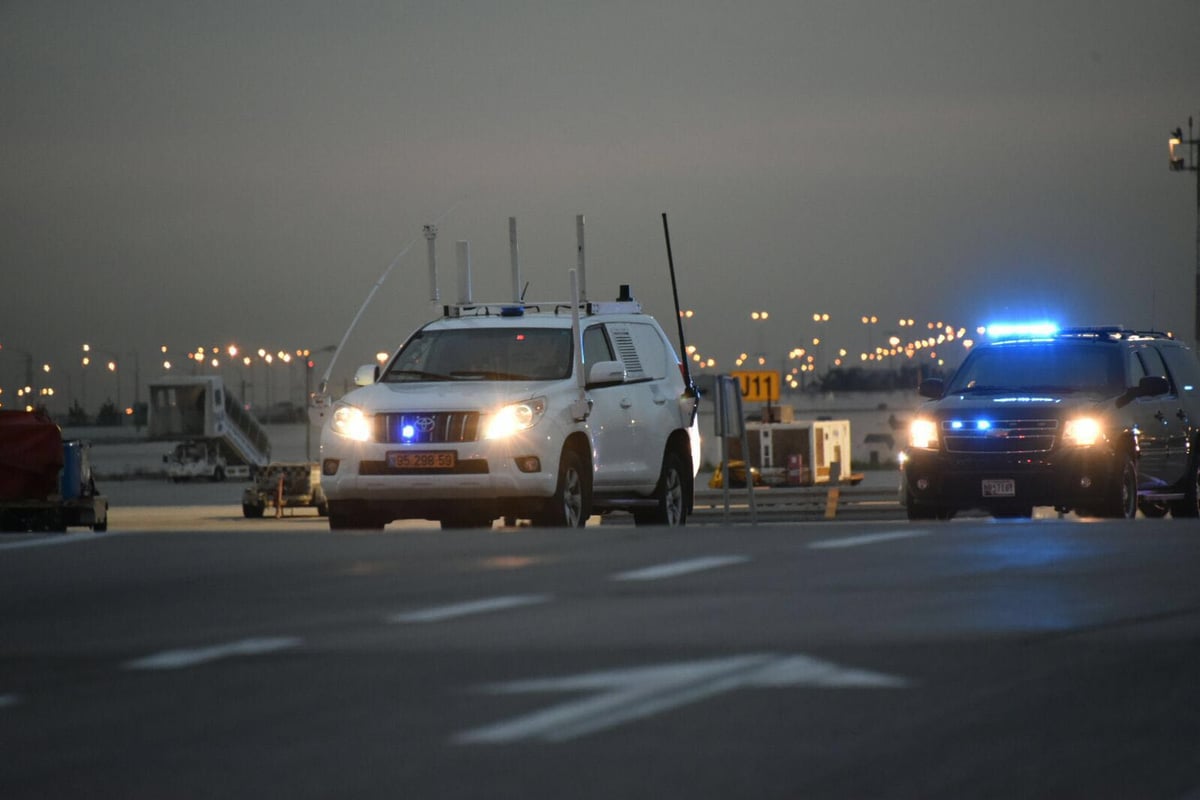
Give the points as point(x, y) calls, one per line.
point(1185, 372)
point(595, 345)
point(1154, 363)
point(1137, 370)
point(641, 349)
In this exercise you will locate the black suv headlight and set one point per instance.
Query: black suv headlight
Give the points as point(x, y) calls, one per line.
point(1082, 432)
point(923, 434)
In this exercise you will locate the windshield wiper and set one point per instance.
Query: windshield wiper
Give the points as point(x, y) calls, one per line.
point(486, 375)
point(409, 375)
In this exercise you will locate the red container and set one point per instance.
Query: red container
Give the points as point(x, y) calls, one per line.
point(31, 456)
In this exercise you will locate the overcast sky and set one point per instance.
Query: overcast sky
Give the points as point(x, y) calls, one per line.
point(204, 173)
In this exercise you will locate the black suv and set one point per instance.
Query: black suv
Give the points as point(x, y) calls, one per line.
point(1101, 421)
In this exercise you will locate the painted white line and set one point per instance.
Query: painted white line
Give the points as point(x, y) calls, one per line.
point(621, 696)
point(442, 613)
point(870, 538)
point(7, 700)
point(677, 568)
point(179, 659)
point(61, 538)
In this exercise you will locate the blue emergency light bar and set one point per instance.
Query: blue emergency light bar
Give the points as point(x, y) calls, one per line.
point(1021, 329)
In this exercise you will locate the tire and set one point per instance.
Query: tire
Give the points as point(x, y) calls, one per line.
point(251, 511)
point(1122, 501)
point(670, 495)
point(1189, 506)
point(571, 504)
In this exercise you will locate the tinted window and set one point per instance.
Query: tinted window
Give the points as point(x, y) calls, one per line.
point(1044, 367)
point(1185, 372)
point(495, 354)
point(595, 345)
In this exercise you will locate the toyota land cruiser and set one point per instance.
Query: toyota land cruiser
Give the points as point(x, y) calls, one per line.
point(494, 411)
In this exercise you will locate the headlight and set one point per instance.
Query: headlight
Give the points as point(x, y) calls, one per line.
point(514, 418)
point(351, 422)
point(922, 434)
point(1082, 432)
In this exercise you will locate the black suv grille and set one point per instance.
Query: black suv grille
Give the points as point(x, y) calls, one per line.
point(431, 427)
point(1001, 436)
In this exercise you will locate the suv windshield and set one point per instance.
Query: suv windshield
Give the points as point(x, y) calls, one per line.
point(1042, 366)
point(496, 354)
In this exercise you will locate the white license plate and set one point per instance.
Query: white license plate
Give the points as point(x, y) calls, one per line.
point(422, 459)
point(1005, 487)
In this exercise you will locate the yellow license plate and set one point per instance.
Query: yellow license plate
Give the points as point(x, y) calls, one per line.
point(422, 459)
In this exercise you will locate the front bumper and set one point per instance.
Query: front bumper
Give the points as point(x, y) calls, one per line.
point(1067, 479)
point(484, 472)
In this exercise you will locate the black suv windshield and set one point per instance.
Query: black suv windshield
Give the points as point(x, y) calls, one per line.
point(496, 354)
point(1042, 366)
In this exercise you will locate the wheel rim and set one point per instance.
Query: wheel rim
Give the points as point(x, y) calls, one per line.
point(673, 497)
point(572, 498)
point(1129, 493)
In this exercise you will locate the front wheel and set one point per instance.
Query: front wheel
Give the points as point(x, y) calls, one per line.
point(670, 495)
point(1123, 499)
point(572, 502)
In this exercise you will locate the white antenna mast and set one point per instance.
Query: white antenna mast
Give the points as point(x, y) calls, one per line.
point(515, 259)
point(580, 259)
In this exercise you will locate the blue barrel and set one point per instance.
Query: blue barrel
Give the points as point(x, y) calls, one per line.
point(72, 472)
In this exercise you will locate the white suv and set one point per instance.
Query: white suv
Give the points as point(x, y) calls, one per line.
point(485, 413)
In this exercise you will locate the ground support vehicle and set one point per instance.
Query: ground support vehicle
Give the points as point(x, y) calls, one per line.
point(283, 485)
point(200, 459)
point(1099, 421)
point(46, 484)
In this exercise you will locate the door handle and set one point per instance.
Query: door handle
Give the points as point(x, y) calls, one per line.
point(1182, 415)
point(1158, 415)
point(626, 402)
point(658, 401)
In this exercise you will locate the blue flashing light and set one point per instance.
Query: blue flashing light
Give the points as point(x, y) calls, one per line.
point(1022, 329)
point(956, 425)
point(982, 425)
point(408, 432)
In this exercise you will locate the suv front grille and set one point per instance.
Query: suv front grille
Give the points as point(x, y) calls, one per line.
point(1001, 436)
point(428, 427)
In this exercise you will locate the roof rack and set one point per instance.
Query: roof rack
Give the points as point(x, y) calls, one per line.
point(1113, 332)
point(511, 309)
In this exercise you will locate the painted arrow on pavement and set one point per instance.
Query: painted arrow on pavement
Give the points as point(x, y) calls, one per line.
point(625, 695)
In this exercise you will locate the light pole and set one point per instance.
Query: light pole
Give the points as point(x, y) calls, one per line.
point(1189, 163)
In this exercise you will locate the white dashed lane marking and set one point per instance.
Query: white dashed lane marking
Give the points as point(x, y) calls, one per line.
point(443, 613)
point(869, 538)
point(677, 568)
point(179, 659)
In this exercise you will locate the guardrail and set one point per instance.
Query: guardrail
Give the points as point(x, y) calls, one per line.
point(785, 504)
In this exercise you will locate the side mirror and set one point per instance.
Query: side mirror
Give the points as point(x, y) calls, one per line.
point(366, 375)
point(606, 373)
point(933, 388)
point(1153, 386)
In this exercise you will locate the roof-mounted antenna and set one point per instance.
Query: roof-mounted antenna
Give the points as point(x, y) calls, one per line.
point(517, 294)
point(463, 253)
point(582, 272)
point(430, 236)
